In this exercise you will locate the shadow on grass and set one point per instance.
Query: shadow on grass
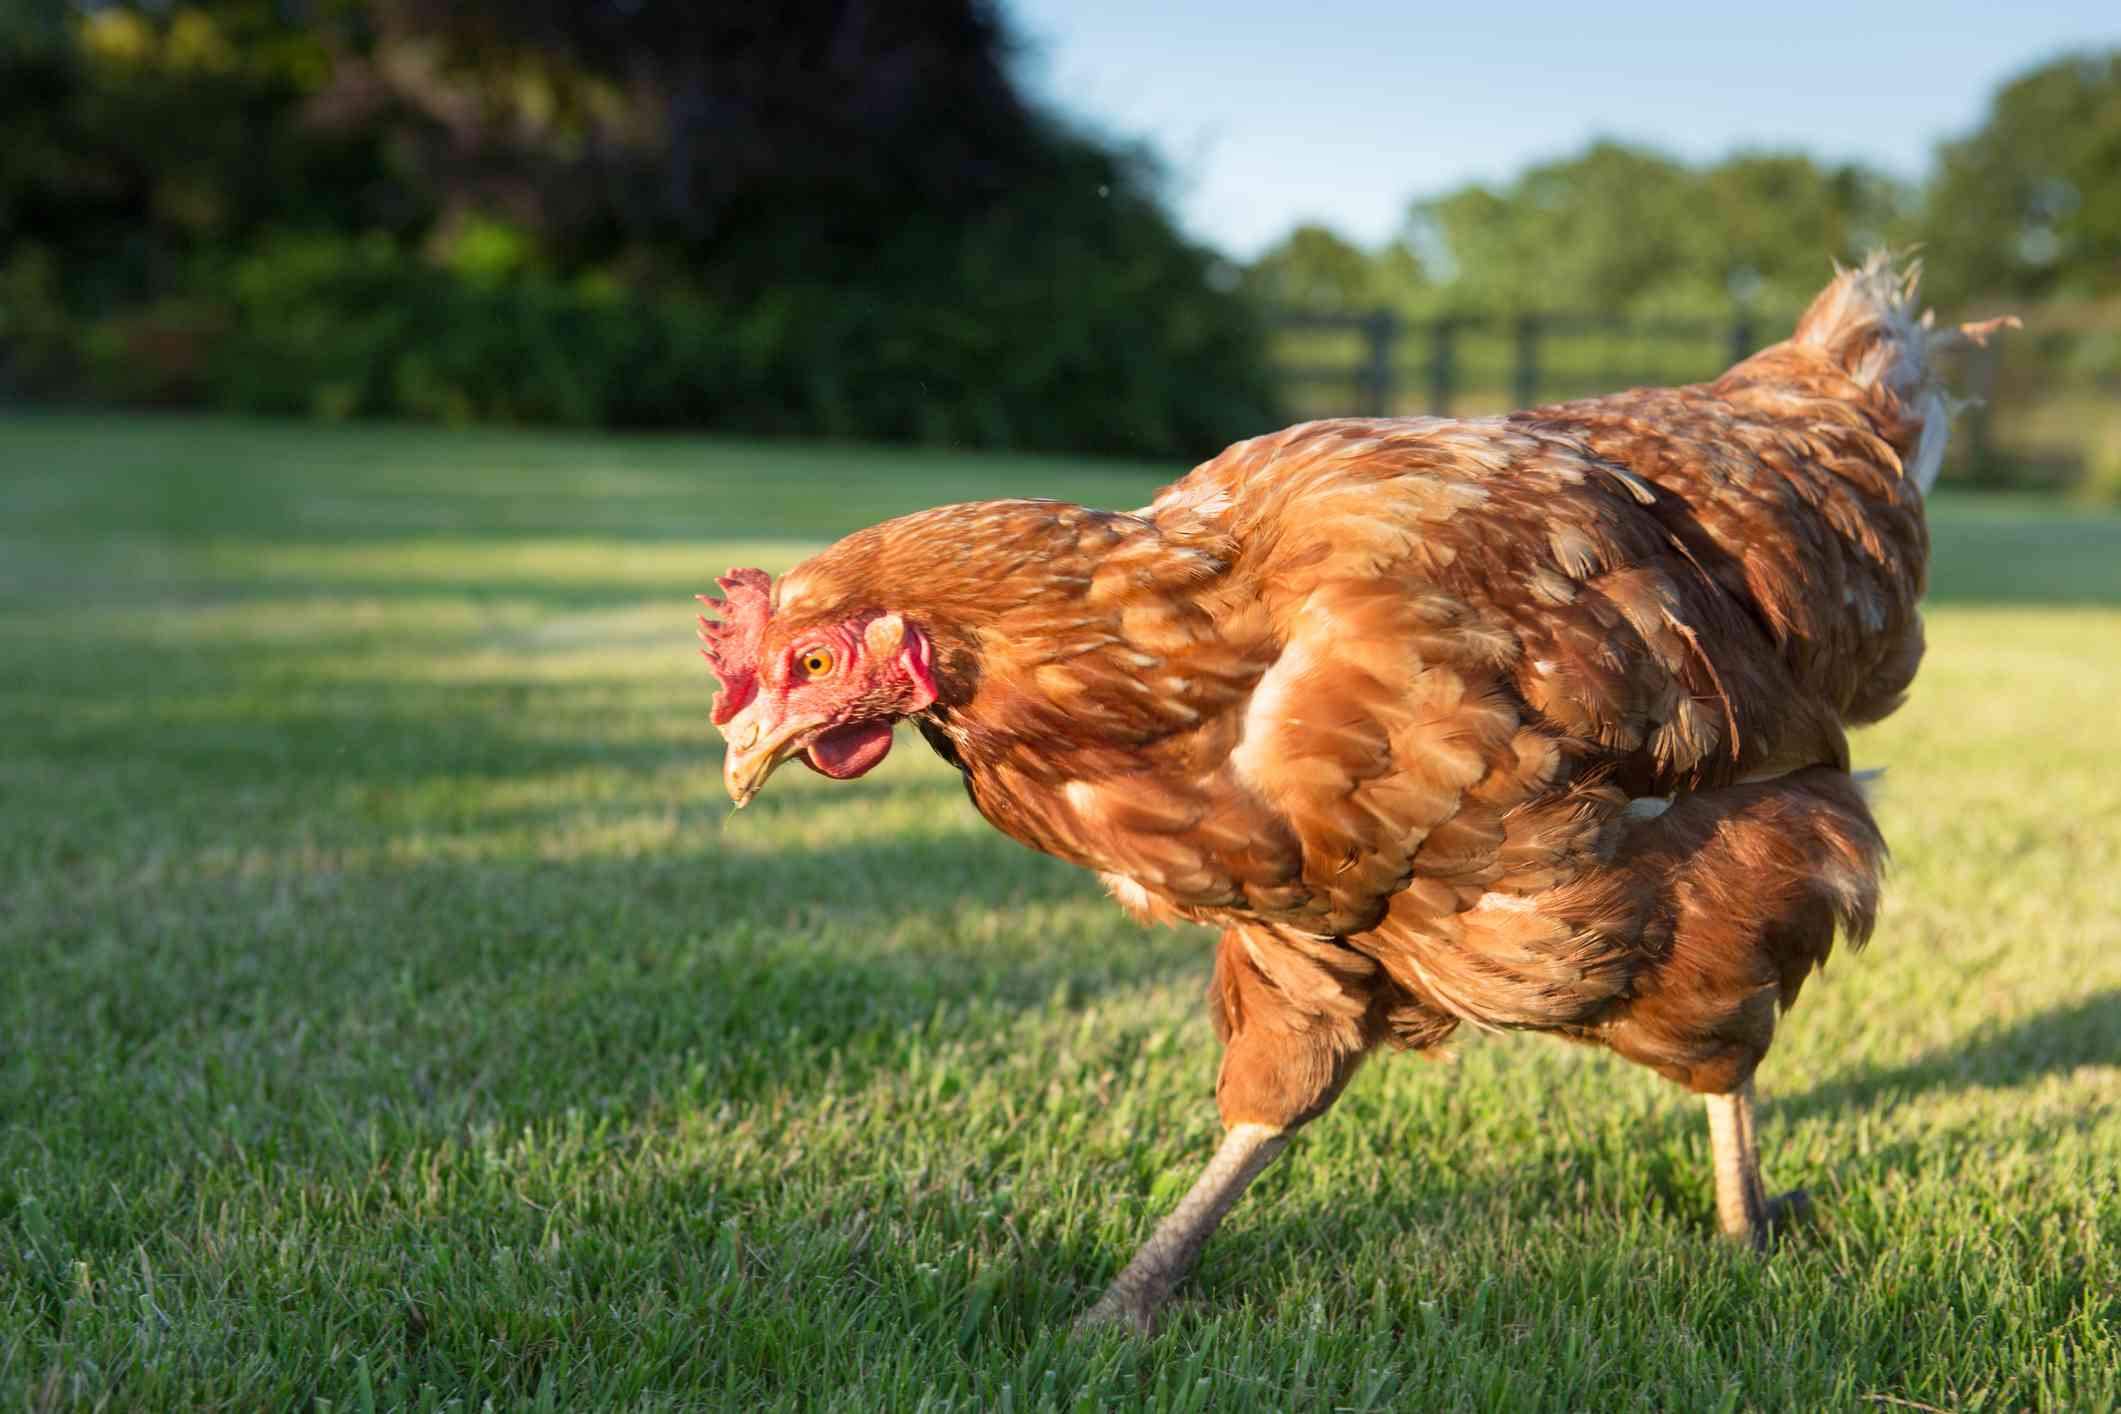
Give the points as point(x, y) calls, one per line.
point(1054, 1263)
point(1670, 1145)
point(219, 721)
point(1550, 1186)
point(2085, 1032)
point(2045, 554)
point(675, 971)
point(292, 482)
point(2053, 1041)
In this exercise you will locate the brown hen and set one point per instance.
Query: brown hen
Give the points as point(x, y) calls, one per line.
point(1532, 722)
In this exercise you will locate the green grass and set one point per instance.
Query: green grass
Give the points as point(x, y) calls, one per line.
point(395, 1016)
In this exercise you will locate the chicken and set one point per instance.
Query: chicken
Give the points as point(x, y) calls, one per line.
point(1533, 722)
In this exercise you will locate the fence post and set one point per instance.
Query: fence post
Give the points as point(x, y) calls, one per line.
point(1524, 383)
point(1443, 365)
point(1374, 382)
point(1982, 468)
point(1741, 334)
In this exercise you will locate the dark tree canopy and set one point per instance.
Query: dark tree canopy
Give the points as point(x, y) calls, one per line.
point(824, 216)
point(830, 215)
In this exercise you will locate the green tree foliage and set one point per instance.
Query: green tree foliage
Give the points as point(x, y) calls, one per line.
point(2025, 215)
point(2029, 204)
point(1314, 268)
point(1620, 228)
point(766, 215)
point(133, 141)
point(2026, 206)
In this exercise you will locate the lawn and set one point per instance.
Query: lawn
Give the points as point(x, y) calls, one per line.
point(397, 1017)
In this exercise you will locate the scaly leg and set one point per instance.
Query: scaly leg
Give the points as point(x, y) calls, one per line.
point(1293, 1015)
point(1747, 1213)
point(1163, 1261)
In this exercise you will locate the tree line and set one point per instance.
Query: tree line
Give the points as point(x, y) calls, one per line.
point(2025, 209)
point(826, 217)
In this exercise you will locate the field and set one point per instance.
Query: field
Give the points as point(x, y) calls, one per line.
point(397, 1017)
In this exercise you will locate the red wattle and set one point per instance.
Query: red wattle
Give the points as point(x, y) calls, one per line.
point(846, 752)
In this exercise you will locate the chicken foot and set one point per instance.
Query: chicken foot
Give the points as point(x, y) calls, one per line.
point(1137, 1293)
point(1748, 1215)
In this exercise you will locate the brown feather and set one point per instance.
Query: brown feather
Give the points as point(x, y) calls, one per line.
point(1376, 695)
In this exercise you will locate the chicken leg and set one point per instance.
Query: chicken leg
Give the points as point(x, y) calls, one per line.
point(1163, 1261)
point(1742, 1205)
point(1291, 1040)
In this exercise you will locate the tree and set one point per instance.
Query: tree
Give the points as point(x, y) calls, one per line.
point(834, 216)
point(1622, 228)
point(1314, 268)
point(2029, 204)
point(1592, 232)
point(1773, 222)
point(787, 127)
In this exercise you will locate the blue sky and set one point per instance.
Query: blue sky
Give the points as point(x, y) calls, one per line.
point(1273, 112)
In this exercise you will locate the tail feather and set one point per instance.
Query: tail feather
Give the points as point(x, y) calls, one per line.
point(1867, 321)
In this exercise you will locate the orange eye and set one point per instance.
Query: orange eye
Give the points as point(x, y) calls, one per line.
point(817, 662)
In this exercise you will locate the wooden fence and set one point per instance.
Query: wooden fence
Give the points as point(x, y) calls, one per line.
point(1382, 363)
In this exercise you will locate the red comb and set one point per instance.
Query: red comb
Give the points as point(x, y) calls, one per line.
point(733, 644)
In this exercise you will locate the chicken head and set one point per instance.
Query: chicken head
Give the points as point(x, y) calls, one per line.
point(827, 693)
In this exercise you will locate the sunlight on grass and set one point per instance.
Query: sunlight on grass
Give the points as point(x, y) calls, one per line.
point(400, 1008)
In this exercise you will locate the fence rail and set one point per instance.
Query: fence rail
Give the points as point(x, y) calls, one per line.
point(1380, 377)
point(1381, 363)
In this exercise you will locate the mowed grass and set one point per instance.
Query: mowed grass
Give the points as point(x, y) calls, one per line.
point(395, 1015)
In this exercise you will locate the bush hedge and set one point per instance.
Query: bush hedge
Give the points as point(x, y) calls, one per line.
point(337, 327)
point(226, 204)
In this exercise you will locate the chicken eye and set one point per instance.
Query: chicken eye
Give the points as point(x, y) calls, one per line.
point(817, 662)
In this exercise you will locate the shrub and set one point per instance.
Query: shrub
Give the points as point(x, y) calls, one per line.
point(1085, 357)
point(40, 349)
point(796, 221)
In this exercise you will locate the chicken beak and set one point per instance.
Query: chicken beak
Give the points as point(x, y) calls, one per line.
point(757, 748)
